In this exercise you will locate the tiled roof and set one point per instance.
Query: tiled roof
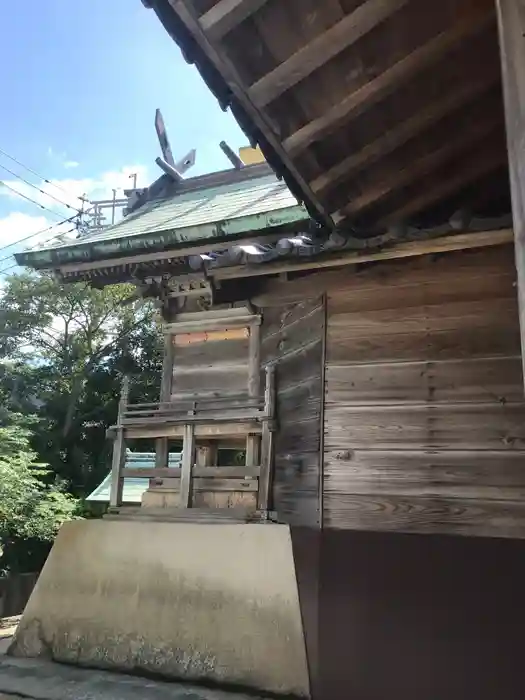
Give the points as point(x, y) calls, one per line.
point(226, 206)
point(133, 488)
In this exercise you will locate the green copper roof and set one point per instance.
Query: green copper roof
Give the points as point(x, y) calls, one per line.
point(132, 489)
point(239, 205)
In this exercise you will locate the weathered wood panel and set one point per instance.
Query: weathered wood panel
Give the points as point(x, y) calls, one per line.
point(211, 368)
point(292, 338)
point(232, 352)
point(448, 426)
point(497, 475)
point(424, 411)
point(495, 379)
point(476, 517)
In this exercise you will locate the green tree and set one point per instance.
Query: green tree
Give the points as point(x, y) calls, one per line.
point(33, 505)
point(65, 349)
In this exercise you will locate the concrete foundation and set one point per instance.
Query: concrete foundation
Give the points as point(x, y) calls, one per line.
point(213, 603)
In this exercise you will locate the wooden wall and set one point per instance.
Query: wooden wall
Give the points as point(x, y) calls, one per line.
point(212, 368)
point(292, 338)
point(424, 410)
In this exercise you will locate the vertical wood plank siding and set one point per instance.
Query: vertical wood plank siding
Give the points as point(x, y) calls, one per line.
point(424, 415)
point(292, 339)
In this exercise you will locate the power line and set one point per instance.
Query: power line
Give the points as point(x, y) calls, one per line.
point(44, 242)
point(47, 194)
point(40, 206)
point(32, 235)
point(44, 179)
point(2, 272)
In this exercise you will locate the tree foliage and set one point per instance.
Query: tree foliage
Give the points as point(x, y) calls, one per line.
point(33, 504)
point(64, 350)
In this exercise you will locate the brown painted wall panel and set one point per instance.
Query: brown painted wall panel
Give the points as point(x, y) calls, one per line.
point(424, 426)
point(420, 617)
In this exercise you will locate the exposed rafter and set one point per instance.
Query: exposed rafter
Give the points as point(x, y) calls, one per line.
point(403, 132)
point(322, 49)
point(421, 167)
point(471, 171)
point(226, 15)
point(270, 142)
point(372, 92)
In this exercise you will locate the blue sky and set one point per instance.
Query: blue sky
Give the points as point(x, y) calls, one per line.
point(80, 84)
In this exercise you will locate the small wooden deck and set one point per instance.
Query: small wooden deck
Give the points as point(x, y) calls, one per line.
point(200, 489)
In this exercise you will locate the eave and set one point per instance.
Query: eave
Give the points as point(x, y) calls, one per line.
point(365, 108)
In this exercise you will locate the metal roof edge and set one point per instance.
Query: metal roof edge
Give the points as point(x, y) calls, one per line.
point(171, 239)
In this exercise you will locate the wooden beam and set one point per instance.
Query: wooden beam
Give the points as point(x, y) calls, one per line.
point(473, 170)
point(162, 445)
point(212, 431)
point(403, 132)
point(267, 449)
point(409, 249)
point(119, 450)
point(511, 20)
point(377, 89)
point(322, 49)
point(226, 15)
point(227, 70)
point(188, 460)
point(208, 326)
point(174, 254)
point(201, 472)
point(419, 168)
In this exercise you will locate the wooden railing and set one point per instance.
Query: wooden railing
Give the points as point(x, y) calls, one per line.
point(226, 409)
point(193, 478)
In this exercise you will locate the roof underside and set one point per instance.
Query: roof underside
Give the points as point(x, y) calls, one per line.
point(376, 112)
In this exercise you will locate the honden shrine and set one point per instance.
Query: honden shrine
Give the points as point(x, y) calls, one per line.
point(346, 315)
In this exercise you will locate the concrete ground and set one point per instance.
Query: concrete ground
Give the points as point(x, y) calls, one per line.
point(7, 629)
point(43, 680)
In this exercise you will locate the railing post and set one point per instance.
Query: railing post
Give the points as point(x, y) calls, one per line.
point(119, 450)
point(162, 444)
point(253, 442)
point(188, 459)
point(265, 479)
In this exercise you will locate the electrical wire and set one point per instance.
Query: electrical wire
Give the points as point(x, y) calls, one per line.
point(2, 272)
point(44, 179)
point(43, 243)
point(40, 206)
point(32, 235)
point(47, 194)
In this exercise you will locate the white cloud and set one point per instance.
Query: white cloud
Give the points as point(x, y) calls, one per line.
point(68, 190)
point(18, 227)
point(21, 228)
point(71, 164)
